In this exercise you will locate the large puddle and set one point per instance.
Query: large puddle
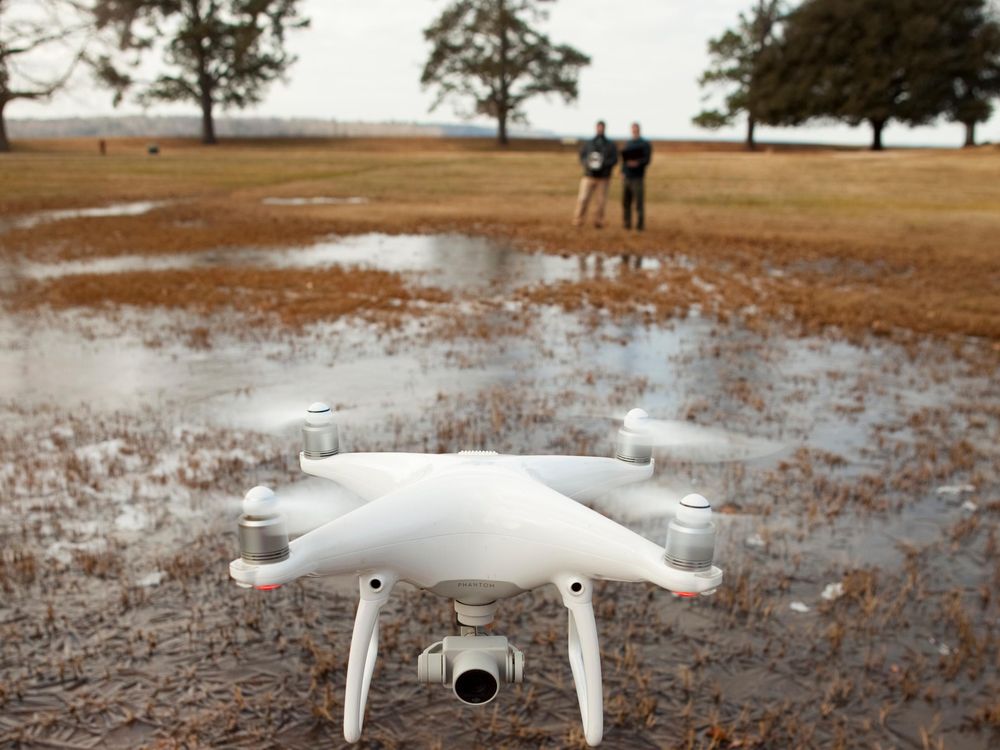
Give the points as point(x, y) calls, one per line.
point(450, 261)
point(114, 367)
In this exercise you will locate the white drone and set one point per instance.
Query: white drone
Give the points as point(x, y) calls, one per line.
point(476, 527)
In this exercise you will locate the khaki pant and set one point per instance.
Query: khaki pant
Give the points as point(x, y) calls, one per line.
point(596, 188)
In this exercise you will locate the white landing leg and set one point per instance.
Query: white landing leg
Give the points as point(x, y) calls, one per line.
point(375, 590)
point(584, 653)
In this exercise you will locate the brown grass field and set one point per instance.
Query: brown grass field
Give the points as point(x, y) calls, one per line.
point(140, 397)
point(893, 242)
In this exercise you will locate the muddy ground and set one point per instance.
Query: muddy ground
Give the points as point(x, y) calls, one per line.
point(861, 601)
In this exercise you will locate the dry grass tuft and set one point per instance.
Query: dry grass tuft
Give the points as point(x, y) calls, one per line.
point(294, 297)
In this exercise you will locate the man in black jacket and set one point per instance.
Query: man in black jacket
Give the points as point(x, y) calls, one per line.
point(598, 157)
point(636, 155)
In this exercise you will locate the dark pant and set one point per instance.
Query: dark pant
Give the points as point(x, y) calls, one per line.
point(633, 188)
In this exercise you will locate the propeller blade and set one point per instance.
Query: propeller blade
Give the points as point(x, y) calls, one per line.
point(687, 441)
point(309, 504)
point(280, 417)
point(641, 502)
point(313, 502)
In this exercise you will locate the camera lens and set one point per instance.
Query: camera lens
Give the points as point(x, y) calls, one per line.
point(475, 678)
point(476, 686)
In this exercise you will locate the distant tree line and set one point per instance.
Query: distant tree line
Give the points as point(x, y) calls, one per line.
point(487, 56)
point(187, 126)
point(857, 61)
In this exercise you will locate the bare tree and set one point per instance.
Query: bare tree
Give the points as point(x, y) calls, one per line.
point(32, 33)
point(215, 52)
point(733, 59)
point(487, 52)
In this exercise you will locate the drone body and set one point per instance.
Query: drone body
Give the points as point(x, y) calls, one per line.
point(475, 527)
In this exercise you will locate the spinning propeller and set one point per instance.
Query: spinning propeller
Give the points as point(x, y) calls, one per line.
point(309, 504)
point(687, 441)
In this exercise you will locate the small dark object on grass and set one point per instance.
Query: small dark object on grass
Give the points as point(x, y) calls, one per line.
point(153, 149)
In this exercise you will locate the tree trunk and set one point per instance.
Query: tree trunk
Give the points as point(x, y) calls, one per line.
point(877, 126)
point(751, 124)
point(4, 143)
point(502, 103)
point(207, 123)
point(970, 134)
point(205, 81)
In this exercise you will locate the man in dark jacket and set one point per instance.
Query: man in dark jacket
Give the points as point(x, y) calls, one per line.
point(598, 157)
point(635, 157)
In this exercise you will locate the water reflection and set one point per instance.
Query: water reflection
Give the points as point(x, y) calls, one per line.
point(598, 265)
point(450, 261)
point(634, 262)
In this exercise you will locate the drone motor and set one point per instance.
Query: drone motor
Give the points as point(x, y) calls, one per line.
point(320, 437)
point(634, 444)
point(263, 537)
point(691, 536)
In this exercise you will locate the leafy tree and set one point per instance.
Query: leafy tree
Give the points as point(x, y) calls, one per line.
point(217, 52)
point(487, 53)
point(858, 61)
point(974, 66)
point(733, 58)
point(33, 32)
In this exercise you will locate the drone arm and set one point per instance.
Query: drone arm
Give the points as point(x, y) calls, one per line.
point(371, 475)
point(584, 477)
point(584, 654)
point(375, 591)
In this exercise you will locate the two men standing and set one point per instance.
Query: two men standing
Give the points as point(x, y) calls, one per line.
point(598, 157)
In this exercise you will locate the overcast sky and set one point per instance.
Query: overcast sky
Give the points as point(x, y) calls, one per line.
point(362, 61)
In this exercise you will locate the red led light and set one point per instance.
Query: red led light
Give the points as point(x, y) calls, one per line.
point(685, 594)
point(269, 587)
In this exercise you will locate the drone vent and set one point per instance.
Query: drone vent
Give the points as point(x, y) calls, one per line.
point(632, 459)
point(265, 558)
point(693, 566)
point(478, 453)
